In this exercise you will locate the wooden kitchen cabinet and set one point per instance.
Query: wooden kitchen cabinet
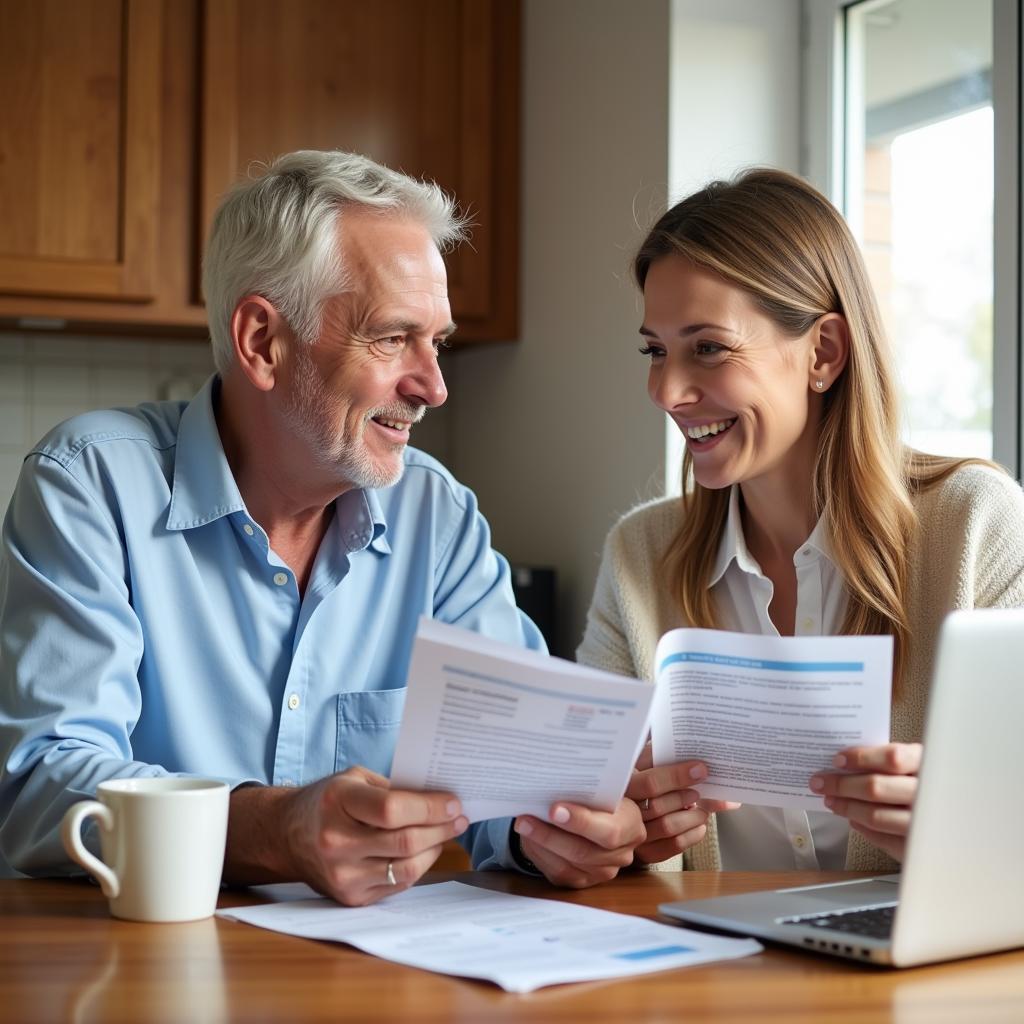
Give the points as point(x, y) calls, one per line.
point(79, 148)
point(146, 116)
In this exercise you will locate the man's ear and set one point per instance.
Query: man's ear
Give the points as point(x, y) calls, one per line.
point(831, 350)
point(259, 336)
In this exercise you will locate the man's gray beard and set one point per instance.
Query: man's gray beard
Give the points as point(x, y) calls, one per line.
point(309, 410)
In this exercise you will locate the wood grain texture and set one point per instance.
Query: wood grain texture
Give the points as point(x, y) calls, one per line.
point(80, 151)
point(428, 89)
point(63, 958)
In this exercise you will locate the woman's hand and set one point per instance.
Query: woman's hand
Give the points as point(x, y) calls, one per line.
point(578, 846)
point(875, 789)
point(674, 815)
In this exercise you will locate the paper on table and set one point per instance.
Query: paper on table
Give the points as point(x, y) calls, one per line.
point(510, 731)
point(518, 942)
point(767, 712)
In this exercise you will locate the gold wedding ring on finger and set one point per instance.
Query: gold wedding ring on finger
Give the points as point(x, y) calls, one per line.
point(645, 804)
point(391, 873)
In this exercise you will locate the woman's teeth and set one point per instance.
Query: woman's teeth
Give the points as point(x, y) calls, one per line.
point(708, 429)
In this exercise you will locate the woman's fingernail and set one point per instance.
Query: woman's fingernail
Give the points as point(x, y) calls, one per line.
point(560, 815)
point(829, 802)
point(523, 827)
point(698, 771)
point(461, 824)
point(839, 761)
point(817, 783)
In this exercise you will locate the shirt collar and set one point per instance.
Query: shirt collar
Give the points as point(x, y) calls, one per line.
point(733, 545)
point(378, 523)
point(204, 487)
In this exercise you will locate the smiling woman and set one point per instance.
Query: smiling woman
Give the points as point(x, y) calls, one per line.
point(801, 511)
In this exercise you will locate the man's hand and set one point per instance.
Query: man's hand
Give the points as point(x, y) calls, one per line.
point(674, 815)
point(875, 789)
point(339, 835)
point(581, 847)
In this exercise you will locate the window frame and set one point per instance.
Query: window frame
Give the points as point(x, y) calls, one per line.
point(824, 139)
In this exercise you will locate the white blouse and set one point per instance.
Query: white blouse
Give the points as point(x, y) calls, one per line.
point(756, 838)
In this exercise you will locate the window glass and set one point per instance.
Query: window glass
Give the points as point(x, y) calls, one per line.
point(918, 195)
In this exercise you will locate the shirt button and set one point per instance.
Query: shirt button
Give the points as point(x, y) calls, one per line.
point(807, 552)
point(280, 578)
point(799, 842)
point(293, 701)
point(808, 624)
point(248, 530)
point(288, 782)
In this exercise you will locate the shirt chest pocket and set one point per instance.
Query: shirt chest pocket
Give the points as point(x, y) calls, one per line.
point(368, 724)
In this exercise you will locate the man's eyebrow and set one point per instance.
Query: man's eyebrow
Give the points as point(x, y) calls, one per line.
point(685, 332)
point(408, 327)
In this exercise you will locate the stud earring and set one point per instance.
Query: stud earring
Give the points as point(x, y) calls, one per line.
point(819, 384)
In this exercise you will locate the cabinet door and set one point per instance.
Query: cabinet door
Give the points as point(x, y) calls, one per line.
point(430, 88)
point(79, 148)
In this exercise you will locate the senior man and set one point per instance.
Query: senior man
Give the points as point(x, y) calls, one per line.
point(230, 587)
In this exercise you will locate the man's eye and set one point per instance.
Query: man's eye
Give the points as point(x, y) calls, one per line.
point(441, 343)
point(394, 339)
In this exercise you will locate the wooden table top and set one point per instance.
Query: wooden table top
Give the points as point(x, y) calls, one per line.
point(63, 958)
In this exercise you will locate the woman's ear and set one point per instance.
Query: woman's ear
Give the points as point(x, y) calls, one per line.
point(258, 335)
point(831, 337)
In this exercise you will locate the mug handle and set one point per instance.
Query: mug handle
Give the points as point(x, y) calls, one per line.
point(71, 836)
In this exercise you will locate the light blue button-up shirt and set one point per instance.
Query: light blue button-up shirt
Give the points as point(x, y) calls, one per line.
point(146, 627)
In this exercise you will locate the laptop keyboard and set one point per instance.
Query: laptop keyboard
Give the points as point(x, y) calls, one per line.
point(875, 922)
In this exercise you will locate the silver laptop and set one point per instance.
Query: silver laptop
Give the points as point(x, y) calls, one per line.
point(961, 890)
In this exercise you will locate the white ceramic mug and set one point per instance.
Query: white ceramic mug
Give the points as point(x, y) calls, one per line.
point(162, 842)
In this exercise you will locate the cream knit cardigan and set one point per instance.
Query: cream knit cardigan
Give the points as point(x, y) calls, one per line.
point(968, 553)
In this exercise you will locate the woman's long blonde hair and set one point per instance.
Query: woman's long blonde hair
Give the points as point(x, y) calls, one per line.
point(781, 241)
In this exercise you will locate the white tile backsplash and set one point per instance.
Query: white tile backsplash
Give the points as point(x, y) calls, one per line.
point(45, 379)
point(14, 422)
point(10, 465)
point(118, 385)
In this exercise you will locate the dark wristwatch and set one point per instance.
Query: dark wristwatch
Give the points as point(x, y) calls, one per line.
point(521, 861)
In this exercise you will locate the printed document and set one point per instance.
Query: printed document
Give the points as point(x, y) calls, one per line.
point(510, 731)
point(518, 942)
point(767, 712)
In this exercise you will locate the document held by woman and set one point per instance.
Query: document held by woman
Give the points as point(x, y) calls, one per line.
point(767, 712)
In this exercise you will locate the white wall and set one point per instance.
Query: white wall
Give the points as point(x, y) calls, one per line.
point(735, 103)
point(555, 432)
point(735, 89)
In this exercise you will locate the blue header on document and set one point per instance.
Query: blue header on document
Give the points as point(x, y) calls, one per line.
point(772, 666)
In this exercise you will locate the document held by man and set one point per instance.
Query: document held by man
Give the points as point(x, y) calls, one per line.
point(767, 712)
point(518, 942)
point(510, 731)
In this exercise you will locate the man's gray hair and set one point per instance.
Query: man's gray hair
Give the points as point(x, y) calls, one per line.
point(276, 235)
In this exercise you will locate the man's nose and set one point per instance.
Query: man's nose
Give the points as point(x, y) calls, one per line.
point(424, 383)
